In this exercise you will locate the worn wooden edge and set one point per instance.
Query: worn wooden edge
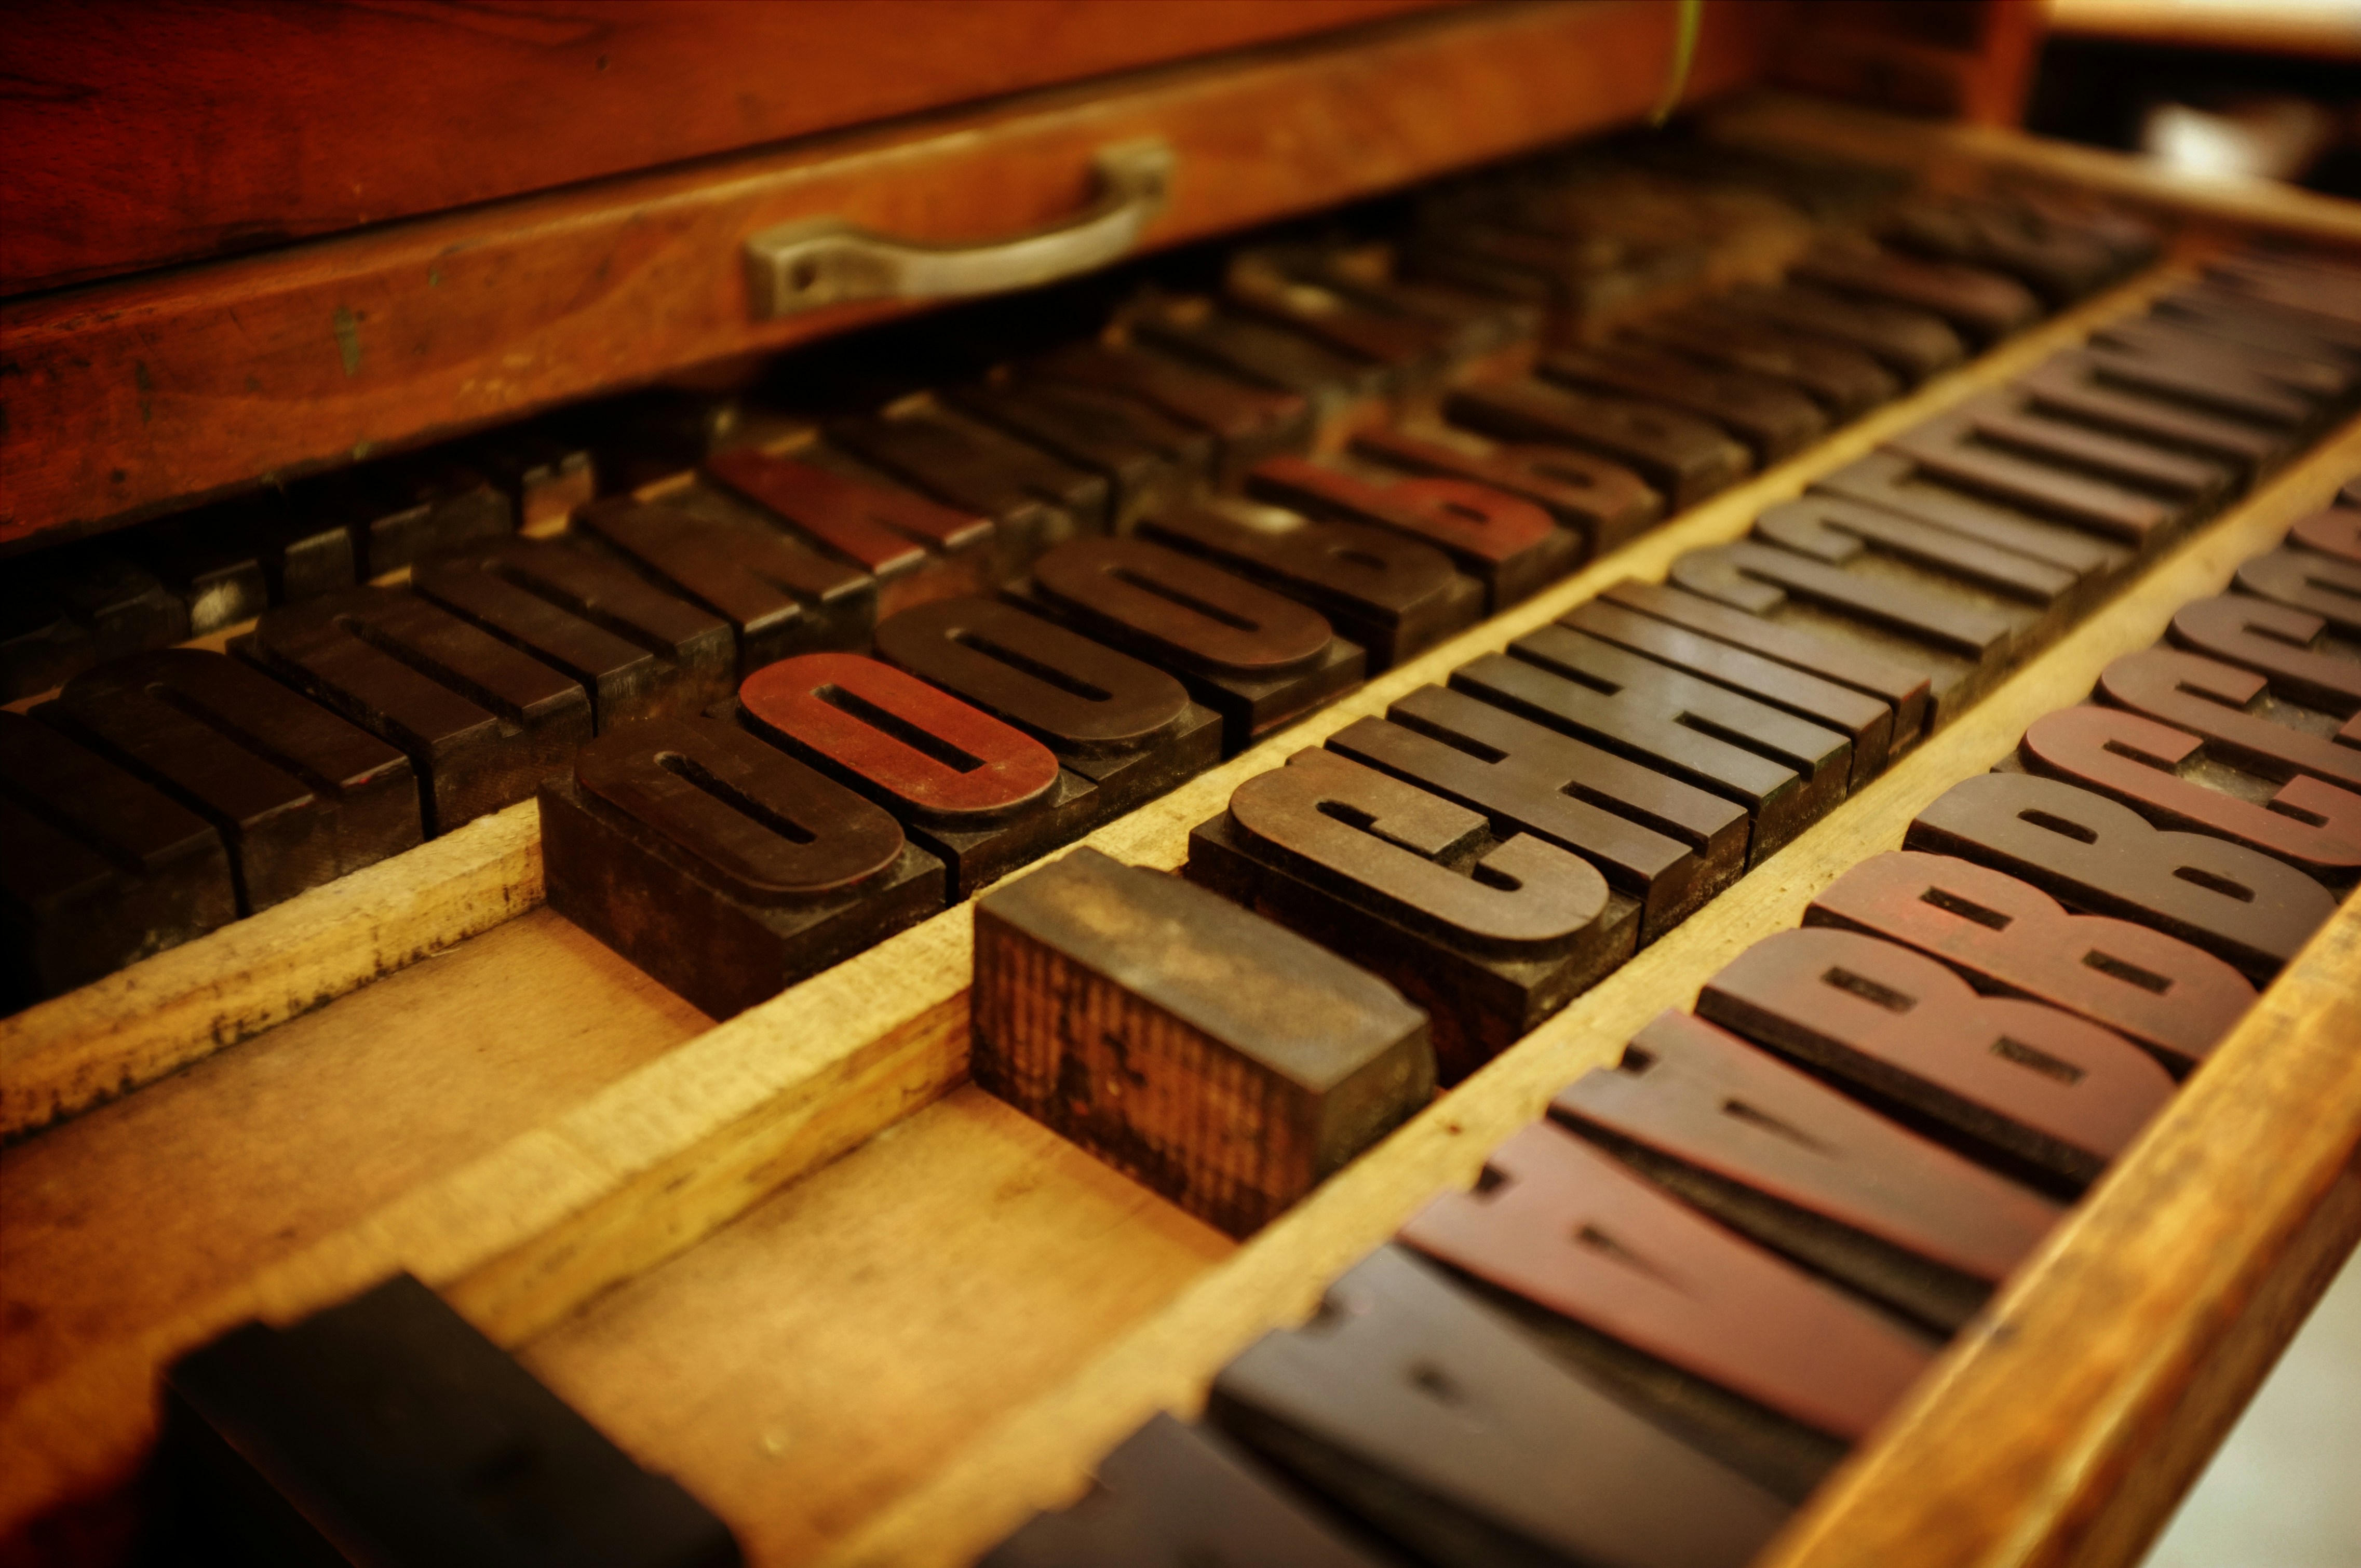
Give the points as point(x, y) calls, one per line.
point(125, 406)
point(676, 1148)
point(2014, 1437)
point(106, 1039)
point(1872, 136)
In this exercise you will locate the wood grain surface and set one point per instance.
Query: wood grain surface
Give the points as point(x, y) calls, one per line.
point(151, 392)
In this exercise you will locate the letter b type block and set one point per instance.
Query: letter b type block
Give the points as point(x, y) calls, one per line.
point(1219, 1060)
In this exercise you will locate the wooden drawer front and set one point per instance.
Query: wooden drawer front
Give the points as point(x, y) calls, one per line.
point(178, 132)
point(134, 397)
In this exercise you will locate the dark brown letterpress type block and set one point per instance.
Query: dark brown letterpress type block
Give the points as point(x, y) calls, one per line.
point(1413, 1406)
point(1893, 483)
point(1786, 772)
point(1149, 460)
point(411, 509)
point(1760, 1365)
point(2124, 490)
point(1684, 457)
point(1391, 593)
point(1957, 650)
point(480, 721)
point(1843, 380)
point(2195, 363)
point(1477, 331)
point(982, 796)
point(2009, 938)
point(2246, 727)
point(1247, 422)
point(1411, 353)
point(544, 475)
point(124, 608)
point(1513, 547)
point(299, 796)
point(302, 554)
point(1901, 689)
point(2015, 1084)
point(1127, 725)
point(218, 580)
point(2301, 354)
point(2069, 387)
point(721, 866)
point(1777, 1154)
point(1341, 387)
point(97, 868)
point(2336, 534)
point(2301, 580)
point(1663, 844)
point(1033, 500)
point(636, 650)
point(1866, 722)
point(2060, 263)
point(780, 598)
point(1255, 658)
point(1179, 1496)
point(1490, 933)
point(1883, 548)
point(1980, 305)
point(2289, 285)
point(40, 645)
point(2097, 855)
point(1605, 503)
point(2173, 779)
point(2306, 661)
point(1913, 344)
point(916, 548)
point(1774, 420)
point(1219, 1060)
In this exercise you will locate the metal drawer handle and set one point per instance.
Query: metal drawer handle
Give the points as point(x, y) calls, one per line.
point(825, 261)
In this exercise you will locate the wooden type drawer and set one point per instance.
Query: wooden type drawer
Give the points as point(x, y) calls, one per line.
point(154, 390)
point(891, 1356)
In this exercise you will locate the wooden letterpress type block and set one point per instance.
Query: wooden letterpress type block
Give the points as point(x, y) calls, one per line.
point(302, 555)
point(2018, 1085)
point(2211, 363)
point(1247, 422)
point(2336, 534)
point(2058, 470)
point(1604, 503)
point(780, 598)
point(721, 866)
point(299, 796)
point(124, 610)
point(1149, 460)
point(1684, 457)
point(2011, 938)
point(1772, 419)
point(1866, 722)
point(1980, 305)
point(1179, 1496)
point(2176, 781)
point(2059, 262)
point(1477, 332)
point(636, 650)
point(1664, 845)
point(1957, 650)
point(1786, 773)
point(2095, 855)
point(982, 796)
point(1367, 865)
point(1904, 690)
point(1411, 1405)
point(1777, 1154)
point(2305, 580)
point(1126, 726)
point(1255, 658)
point(1845, 381)
point(2288, 284)
point(1759, 1363)
point(1577, 278)
point(1411, 353)
point(2069, 387)
point(2298, 356)
point(1512, 546)
point(2246, 725)
point(916, 548)
point(1341, 387)
point(40, 645)
point(480, 721)
point(544, 475)
point(1393, 595)
point(1222, 1060)
point(1893, 483)
point(2307, 662)
point(98, 869)
point(389, 1430)
point(1911, 342)
point(218, 580)
point(403, 512)
point(1033, 500)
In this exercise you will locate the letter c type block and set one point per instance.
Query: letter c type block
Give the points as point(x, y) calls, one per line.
point(1219, 1060)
